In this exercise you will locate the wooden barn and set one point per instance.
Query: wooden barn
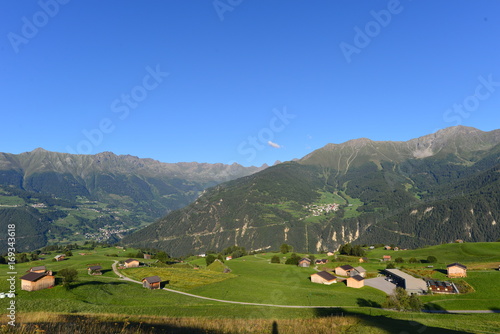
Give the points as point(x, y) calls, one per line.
point(131, 263)
point(356, 282)
point(304, 262)
point(343, 270)
point(37, 281)
point(323, 277)
point(386, 258)
point(358, 271)
point(60, 257)
point(456, 270)
point(152, 282)
point(94, 270)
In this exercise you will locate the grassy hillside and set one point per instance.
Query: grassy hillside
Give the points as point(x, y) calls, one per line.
point(107, 299)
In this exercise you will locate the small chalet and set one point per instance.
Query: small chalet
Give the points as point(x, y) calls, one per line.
point(321, 261)
point(363, 260)
point(344, 270)
point(152, 282)
point(330, 253)
point(304, 262)
point(131, 263)
point(358, 271)
point(60, 257)
point(94, 270)
point(355, 281)
point(229, 258)
point(37, 281)
point(387, 247)
point(386, 258)
point(456, 270)
point(323, 277)
point(39, 269)
point(396, 248)
point(147, 256)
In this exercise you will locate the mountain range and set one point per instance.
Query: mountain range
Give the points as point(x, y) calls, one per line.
point(60, 198)
point(434, 189)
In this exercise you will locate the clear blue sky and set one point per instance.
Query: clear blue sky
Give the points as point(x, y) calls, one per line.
point(80, 67)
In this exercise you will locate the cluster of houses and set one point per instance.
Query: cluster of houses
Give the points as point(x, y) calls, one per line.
point(355, 277)
point(318, 210)
point(39, 277)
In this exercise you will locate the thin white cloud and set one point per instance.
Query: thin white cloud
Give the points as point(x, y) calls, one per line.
point(270, 143)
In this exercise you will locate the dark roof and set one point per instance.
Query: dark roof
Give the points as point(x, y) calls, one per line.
point(305, 259)
point(357, 278)
point(33, 277)
point(37, 268)
point(95, 268)
point(347, 267)
point(456, 264)
point(131, 260)
point(325, 275)
point(321, 260)
point(152, 279)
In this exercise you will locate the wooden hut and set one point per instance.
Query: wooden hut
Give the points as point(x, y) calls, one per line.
point(131, 263)
point(152, 282)
point(37, 281)
point(456, 270)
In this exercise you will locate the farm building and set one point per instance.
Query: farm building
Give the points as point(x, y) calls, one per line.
point(37, 281)
point(363, 260)
point(358, 271)
point(441, 287)
point(94, 270)
point(343, 270)
point(229, 258)
point(330, 253)
point(456, 270)
point(386, 258)
point(321, 261)
point(60, 257)
point(147, 256)
point(39, 269)
point(152, 282)
point(131, 263)
point(411, 284)
point(323, 277)
point(355, 281)
point(304, 262)
point(387, 247)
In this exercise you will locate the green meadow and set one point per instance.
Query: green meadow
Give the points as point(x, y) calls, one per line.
point(253, 279)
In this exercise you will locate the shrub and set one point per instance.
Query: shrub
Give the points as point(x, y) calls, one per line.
point(275, 259)
point(431, 259)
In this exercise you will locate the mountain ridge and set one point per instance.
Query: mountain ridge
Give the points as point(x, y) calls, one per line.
point(370, 182)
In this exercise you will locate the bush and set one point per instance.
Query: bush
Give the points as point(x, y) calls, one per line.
point(69, 276)
point(431, 259)
point(399, 260)
point(390, 265)
point(210, 259)
point(413, 260)
point(293, 259)
point(275, 259)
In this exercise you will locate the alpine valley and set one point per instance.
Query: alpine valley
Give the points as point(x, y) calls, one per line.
point(60, 198)
point(429, 190)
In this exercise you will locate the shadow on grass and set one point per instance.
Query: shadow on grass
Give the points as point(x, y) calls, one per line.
point(442, 271)
point(79, 284)
point(384, 322)
point(495, 310)
point(367, 303)
point(81, 324)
